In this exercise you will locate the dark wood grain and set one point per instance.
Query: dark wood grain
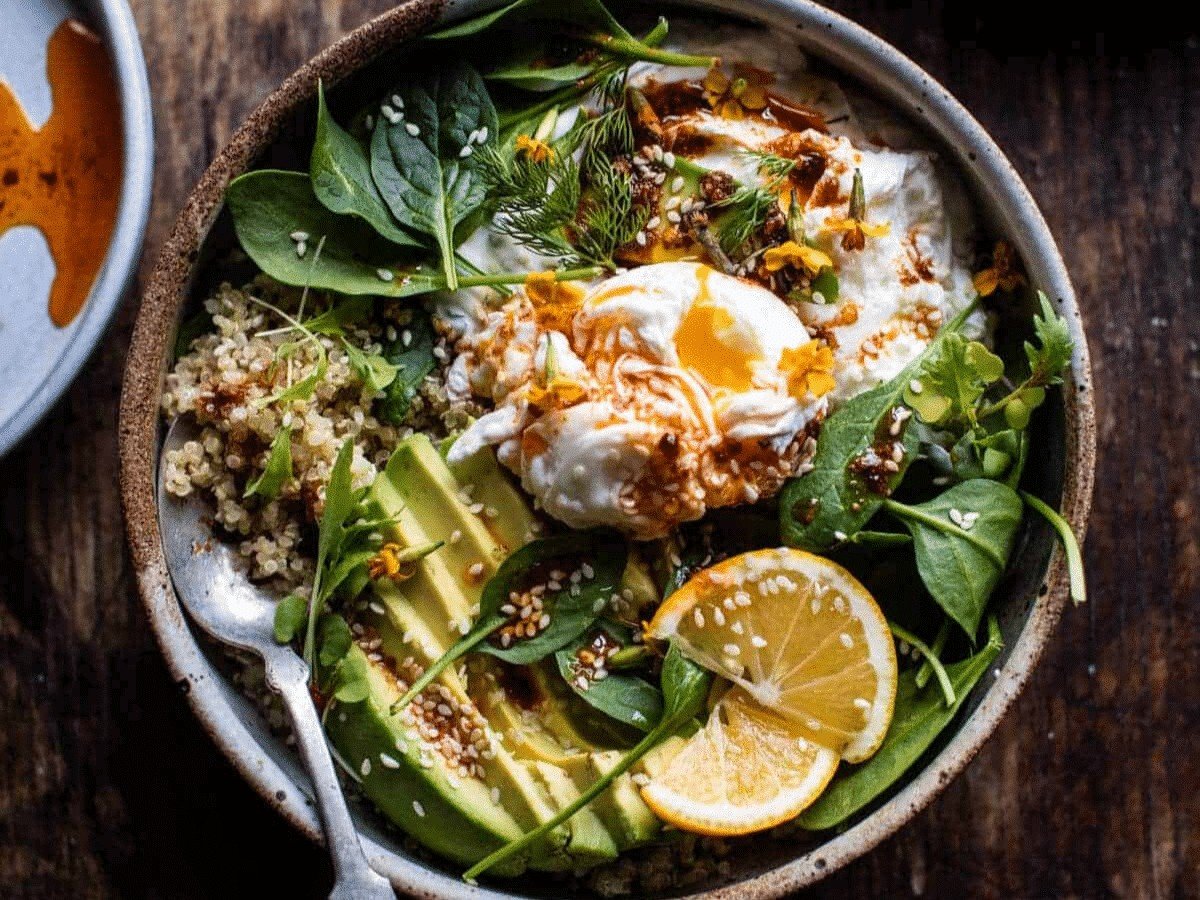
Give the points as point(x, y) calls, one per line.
point(108, 789)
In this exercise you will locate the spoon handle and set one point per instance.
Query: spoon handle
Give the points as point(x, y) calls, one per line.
point(353, 878)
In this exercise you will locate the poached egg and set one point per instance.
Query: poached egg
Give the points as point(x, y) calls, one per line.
point(656, 395)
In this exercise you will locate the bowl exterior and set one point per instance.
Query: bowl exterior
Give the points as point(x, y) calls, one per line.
point(847, 46)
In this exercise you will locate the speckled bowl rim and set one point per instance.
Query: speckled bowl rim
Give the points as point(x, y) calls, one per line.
point(828, 36)
point(114, 22)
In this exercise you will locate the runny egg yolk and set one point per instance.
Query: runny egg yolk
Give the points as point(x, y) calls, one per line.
point(702, 342)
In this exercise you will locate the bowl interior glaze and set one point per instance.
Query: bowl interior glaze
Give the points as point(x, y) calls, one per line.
point(1030, 599)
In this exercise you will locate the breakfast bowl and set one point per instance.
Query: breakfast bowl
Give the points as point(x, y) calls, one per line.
point(1027, 600)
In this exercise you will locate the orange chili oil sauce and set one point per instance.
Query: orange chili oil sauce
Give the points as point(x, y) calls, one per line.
point(65, 179)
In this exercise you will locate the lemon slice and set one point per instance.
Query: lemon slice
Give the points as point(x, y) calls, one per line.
point(813, 668)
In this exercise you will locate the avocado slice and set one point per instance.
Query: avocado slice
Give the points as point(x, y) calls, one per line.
point(505, 513)
point(591, 842)
point(460, 822)
point(621, 807)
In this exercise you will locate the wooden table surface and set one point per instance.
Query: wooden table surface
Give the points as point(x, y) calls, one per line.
point(109, 789)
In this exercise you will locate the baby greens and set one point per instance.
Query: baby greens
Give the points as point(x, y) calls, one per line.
point(685, 688)
point(832, 502)
point(278, 470)
point(963, 538)
point(919, 717)
point(625, 697)
point(572, 608)
point(340, 170)
point(424, 165)
point(413, 359)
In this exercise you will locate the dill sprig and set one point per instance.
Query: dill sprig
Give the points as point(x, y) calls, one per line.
point(535, 201)
point(746, 211)
point(773, 167)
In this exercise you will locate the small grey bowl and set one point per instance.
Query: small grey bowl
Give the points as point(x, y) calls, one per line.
point(56, 368)
point(1031, 599)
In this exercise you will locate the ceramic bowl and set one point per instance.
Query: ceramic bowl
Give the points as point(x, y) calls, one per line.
point(38, 359)
point(1032, 597)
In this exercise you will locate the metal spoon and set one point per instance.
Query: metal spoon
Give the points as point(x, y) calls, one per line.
point(222, 601)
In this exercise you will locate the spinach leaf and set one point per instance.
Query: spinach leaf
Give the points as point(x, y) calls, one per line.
point(290, 616)
point(424, 165)
point(269, 205)
point(848, 482)
point(336, 640)
point(685, 688)
point(341, 177)
point(919, 717)
point(963, 538)
point(413, 360)
point(278, 470)
point(529, 72)
point(626, 698)
point(571, 608)
point(333, 322)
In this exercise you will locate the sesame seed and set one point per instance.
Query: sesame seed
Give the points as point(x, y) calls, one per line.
point(677, 184)
point(640, 239)
point(955, 516)
point(482, 135)
point(387, 111)
point(412, 129)
point(475, 508)
point(758, 641)
point(418, 808)
point(840, 536)
point(846, 640)
point(672, 203)
point(718, 616)
point(455, 536)
point(496, 796)
point(641, 779)
point(397, 101)
point(673, 217)
point(668, 160)
point(406, 337)
point(376, 607)
point(732, 650)
point(653, 223)
point(385, 274)
point(737, 628)
point(365, 768)
point(465, 152)
point(588, 572)
point(862, 703)
point(299, 236)
point(389, 762)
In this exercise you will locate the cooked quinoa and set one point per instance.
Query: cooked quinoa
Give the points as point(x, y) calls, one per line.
point(224, 381)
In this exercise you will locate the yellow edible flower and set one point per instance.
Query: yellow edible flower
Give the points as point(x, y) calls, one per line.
point(809, 369)
point(732, 98)
point(855, 228)
point(387, 564)
point(1004, 273)
point(556, 390)
point(798, 256)
point(533, 149)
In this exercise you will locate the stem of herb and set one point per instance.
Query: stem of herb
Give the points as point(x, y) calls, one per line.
point(904, 511)
point(1070, 545)
point(631, 48)
point(501, 278)
point(480, 633)
point(644, 746)
point(939, 644)
point(930, 657)
point(992, 408)
point(880, 538)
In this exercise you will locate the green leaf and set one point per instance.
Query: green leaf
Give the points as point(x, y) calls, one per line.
point(953, 381)
point(340, 502)
point(336, 640)
point(572, 608)
point(835, 500)
point(1070, 545)
point(529, 71)
point(626, 698)
point(269, 205)
point(919, 717)
point(1048, 360)
point(278, 470)
point(417, 164)
point(685, 687)
point(413, 361)
point(959, 565)
point(352, 684)
point(290, 615)
point(333, 322)
point(305, 387)
point(341, 177)
point(375, 372)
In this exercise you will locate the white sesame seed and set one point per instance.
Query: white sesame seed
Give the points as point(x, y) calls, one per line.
point(482, 136)
point(718, 616)
point(846, 640)
point(406, 337)
point(955, 516)
point(412, 128)
point(301, 249)
point(385, 274)
point(915, 386)
point(698, 617)
point(389, 762)
point(376, 608)
point(299, 236)
point(465, 152)
point(496, 796)
point(758, 641)
point(673, 217)
point(397, 101)
point(677, 184)
point(455, 536)
point(840, 536)
point(387, 111)
point(737, 628)
point(653, 223)
point(365, 768)
point(732, 650)
point(640, 239)
point(668, 159)
point(418, 808)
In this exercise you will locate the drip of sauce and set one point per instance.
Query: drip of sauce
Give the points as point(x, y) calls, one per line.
point(677, 100)
point(65, 178)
